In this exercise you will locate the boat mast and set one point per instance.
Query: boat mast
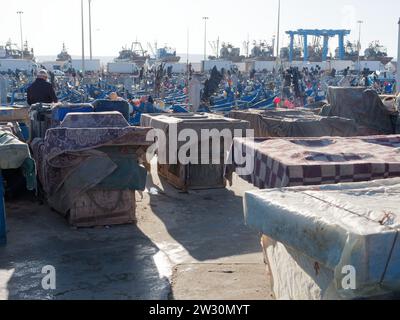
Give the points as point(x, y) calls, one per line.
point(279, 29)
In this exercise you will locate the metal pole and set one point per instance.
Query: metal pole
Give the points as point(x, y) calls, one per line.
point(291, 47)
point(205, 37)
point(273, 44)
point(90, 28)
point(325, 48)
point(187, 46)
point(398, 63)
point(218, 48)
point(83, 40)
point(279, 29)
point(22, 38)
point(359, 47)
point(247, 45)
point(187, 57)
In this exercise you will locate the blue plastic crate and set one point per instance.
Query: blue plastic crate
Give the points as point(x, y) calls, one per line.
point(25, 130)
point(3, 230)
point(59, 112)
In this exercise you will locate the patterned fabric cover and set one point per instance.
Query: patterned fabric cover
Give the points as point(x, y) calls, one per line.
point(94, 120)
point(311, 161)
point(67, 152)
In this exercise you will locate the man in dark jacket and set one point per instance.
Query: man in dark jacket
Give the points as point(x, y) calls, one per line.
point(41, 91)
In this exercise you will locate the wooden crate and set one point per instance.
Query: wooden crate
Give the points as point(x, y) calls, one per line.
point(103, 207)
point(196, 176)
point(193, 177)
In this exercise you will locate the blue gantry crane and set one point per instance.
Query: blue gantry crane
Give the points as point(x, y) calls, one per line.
point(326, 34)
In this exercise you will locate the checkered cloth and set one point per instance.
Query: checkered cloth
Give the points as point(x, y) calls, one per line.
point(315, 161)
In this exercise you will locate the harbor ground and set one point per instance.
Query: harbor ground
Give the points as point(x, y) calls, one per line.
point(185, 246)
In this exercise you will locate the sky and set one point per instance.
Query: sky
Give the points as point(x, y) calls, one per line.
point(49, 23)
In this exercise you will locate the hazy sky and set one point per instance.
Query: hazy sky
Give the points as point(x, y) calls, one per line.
point(49, 23)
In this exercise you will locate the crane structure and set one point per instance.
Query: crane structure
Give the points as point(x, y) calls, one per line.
point(325, 34)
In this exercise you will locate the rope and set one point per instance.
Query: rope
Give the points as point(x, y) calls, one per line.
point(361, 216)
point(342, 208)
point(390, 257)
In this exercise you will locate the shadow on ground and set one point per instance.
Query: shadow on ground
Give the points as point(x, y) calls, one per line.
point(209, 224)
point(113, 263)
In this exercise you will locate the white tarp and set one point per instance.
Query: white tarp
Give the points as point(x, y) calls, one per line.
point(219, 64)
point(317, 232)
point(90, 65)
point(122, 67)
point(17, 64)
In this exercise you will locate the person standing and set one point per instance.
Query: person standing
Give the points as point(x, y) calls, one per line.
point(41, 91)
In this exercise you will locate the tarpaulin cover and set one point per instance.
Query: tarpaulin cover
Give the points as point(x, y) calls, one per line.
point(73, 159)
point(194, 121)
point(295, 123)
point(363, 106)
point(95, 120)
point(286, 162)
point(121, 106)
point(318, 232)
point(15, 154)
point(59, 111)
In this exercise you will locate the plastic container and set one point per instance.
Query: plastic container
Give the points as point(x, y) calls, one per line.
point(109, 105)
point(24, 130)
point(59, 112)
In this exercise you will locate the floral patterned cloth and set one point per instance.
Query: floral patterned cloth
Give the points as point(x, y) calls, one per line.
point(66, 151)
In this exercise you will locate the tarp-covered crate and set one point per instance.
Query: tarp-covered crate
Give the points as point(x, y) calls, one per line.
point(14, 155)
point(288, 162)
point(330, 242)
point(295, 123)
point(362, 105)
point(90, 164)
point(202, 173)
